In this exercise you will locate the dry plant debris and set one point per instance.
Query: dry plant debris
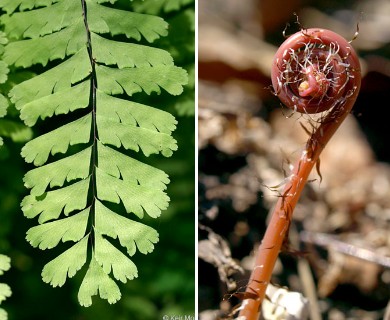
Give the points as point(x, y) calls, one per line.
point(245, 151)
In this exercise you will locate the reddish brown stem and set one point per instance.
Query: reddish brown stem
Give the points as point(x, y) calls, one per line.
point(314, 70)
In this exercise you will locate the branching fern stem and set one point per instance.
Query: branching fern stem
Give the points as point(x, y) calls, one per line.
point(314, 70)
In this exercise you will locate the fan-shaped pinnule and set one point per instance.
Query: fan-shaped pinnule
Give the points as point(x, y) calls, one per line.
point(5, 290)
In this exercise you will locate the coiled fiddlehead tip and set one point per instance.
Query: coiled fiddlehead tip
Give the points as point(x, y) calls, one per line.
point(315, 70)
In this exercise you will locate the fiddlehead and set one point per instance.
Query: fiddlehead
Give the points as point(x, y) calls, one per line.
point(314, 70)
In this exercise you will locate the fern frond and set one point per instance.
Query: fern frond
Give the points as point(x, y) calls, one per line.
point(132, 171)
point(11, 5)
point(128, 55)
point(185, 104)
point(50, 205)
point(5, 290)
point(155, 7)
point(50, 47)
point(131, 24)
point(66, 264)
point(57, 103)
point(3, 112)
point(73, 194)
point(135, 138)
point(135, 114)
point(37, 23)
point(3, 77)
point(56, 173)
point(3, 109)
point(136, 199)
point(182, 30)
point(96, 281)
point(48, 235)
point(115, 226)
point(61, 77)
point(3, 71)
point(183, 26)
point(111, 259)
point(148, 79)
point(9, 127)
point(14, 130)
point(58, 140)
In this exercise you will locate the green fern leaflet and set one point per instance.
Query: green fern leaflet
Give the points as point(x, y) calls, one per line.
point(89, 188)
point(5, 290)
point(3, 77)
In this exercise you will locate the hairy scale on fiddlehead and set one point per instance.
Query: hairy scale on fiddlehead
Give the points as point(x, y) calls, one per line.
point(314, 70)
point(311, 70)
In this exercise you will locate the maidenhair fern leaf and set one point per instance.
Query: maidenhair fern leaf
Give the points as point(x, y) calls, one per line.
point(50, 205)
point(36, 23)
point(128, 55)
point(48, 235)
point(131, 24)
point(58, 140)
point(18, 132)
point(57, 103)
point(90, 185)
point(96, 281)
point(110, 258)
point(147, 79)
point(5, 290)
point(136, 199)
point(9, 127)
point(135, 114)
point(3, 72)
point(113, 225)
point(132, 171)
point(56, 173)
point(135, 138)
point(61, 77)
point(182, 29)
point(3, 77)
point(11, 5)
point(3, 106)
point(53, 46)
point(66, 264)
point(155, 7)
